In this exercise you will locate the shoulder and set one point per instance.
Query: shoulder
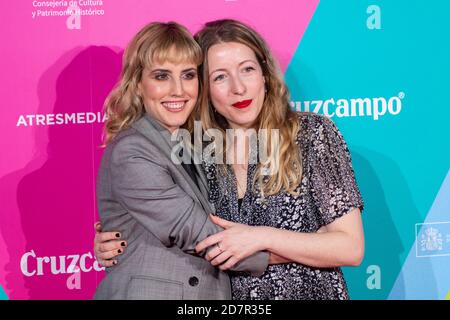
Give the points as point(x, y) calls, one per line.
point(126, 140)
point(314, 121)
point(130, 143)
point(314, 127)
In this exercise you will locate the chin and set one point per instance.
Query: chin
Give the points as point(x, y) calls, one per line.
point(177, 122)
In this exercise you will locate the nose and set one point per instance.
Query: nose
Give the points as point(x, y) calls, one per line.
point(238, 86)
point(177, 87)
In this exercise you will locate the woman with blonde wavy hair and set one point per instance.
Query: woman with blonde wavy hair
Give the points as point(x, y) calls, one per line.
point(306, 213)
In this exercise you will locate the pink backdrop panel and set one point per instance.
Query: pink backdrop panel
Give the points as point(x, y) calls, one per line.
point(48, 170)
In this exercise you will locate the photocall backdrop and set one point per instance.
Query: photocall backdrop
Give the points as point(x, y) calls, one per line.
point(380, 69)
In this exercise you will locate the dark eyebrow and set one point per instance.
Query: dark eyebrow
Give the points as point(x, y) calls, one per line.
point(168, 71)
point(160, 70)
point(188, 70)
point(240, 63)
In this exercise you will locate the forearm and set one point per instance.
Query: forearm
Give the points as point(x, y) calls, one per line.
point(322, 250)
point(277, 259)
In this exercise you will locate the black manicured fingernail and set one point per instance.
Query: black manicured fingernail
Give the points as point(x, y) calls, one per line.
point(119, 251)
point(122, 244)
point(117, 235)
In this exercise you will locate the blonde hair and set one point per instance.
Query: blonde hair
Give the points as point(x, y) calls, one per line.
point(156, 42)
point(275, 113)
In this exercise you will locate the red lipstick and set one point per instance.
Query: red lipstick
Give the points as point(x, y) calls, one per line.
point(242, 104)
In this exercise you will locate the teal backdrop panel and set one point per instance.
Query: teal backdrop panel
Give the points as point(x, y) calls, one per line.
point(425, 273)
point(3, 295)
point(381, 71)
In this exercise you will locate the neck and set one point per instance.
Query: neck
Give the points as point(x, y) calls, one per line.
point(237, 127)
point(168, 128)
point(238, 149)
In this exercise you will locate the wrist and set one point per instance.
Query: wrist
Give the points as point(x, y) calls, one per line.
point(263, 236)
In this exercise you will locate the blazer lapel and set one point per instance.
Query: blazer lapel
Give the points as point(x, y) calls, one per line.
point(160, 137)
point(203, 186)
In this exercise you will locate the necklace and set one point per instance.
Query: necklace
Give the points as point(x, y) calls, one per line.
point(240, 167)
point(239, 185)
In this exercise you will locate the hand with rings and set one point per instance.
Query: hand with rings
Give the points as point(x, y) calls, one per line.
point(236, 242)
point(216, 253)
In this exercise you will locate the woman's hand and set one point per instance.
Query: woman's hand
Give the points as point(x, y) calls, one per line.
point(107, 246)
point(238, 241)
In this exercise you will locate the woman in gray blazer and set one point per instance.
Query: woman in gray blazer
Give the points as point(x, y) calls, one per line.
point(159, 206)
point(300, 202)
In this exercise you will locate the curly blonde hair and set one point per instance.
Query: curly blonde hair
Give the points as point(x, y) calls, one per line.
point(275, 113)
point(156, 42)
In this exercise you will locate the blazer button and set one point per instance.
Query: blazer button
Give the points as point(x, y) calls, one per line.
point(193, 281)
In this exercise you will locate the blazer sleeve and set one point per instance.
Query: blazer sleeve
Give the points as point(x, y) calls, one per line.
point(145, 189)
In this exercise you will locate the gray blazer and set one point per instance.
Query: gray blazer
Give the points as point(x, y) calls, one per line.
point(162, 214)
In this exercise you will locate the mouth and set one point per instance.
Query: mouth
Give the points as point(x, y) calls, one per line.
point(242, 104)
point(174, 106)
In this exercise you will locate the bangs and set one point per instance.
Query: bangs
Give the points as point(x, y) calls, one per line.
point(174, 50)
